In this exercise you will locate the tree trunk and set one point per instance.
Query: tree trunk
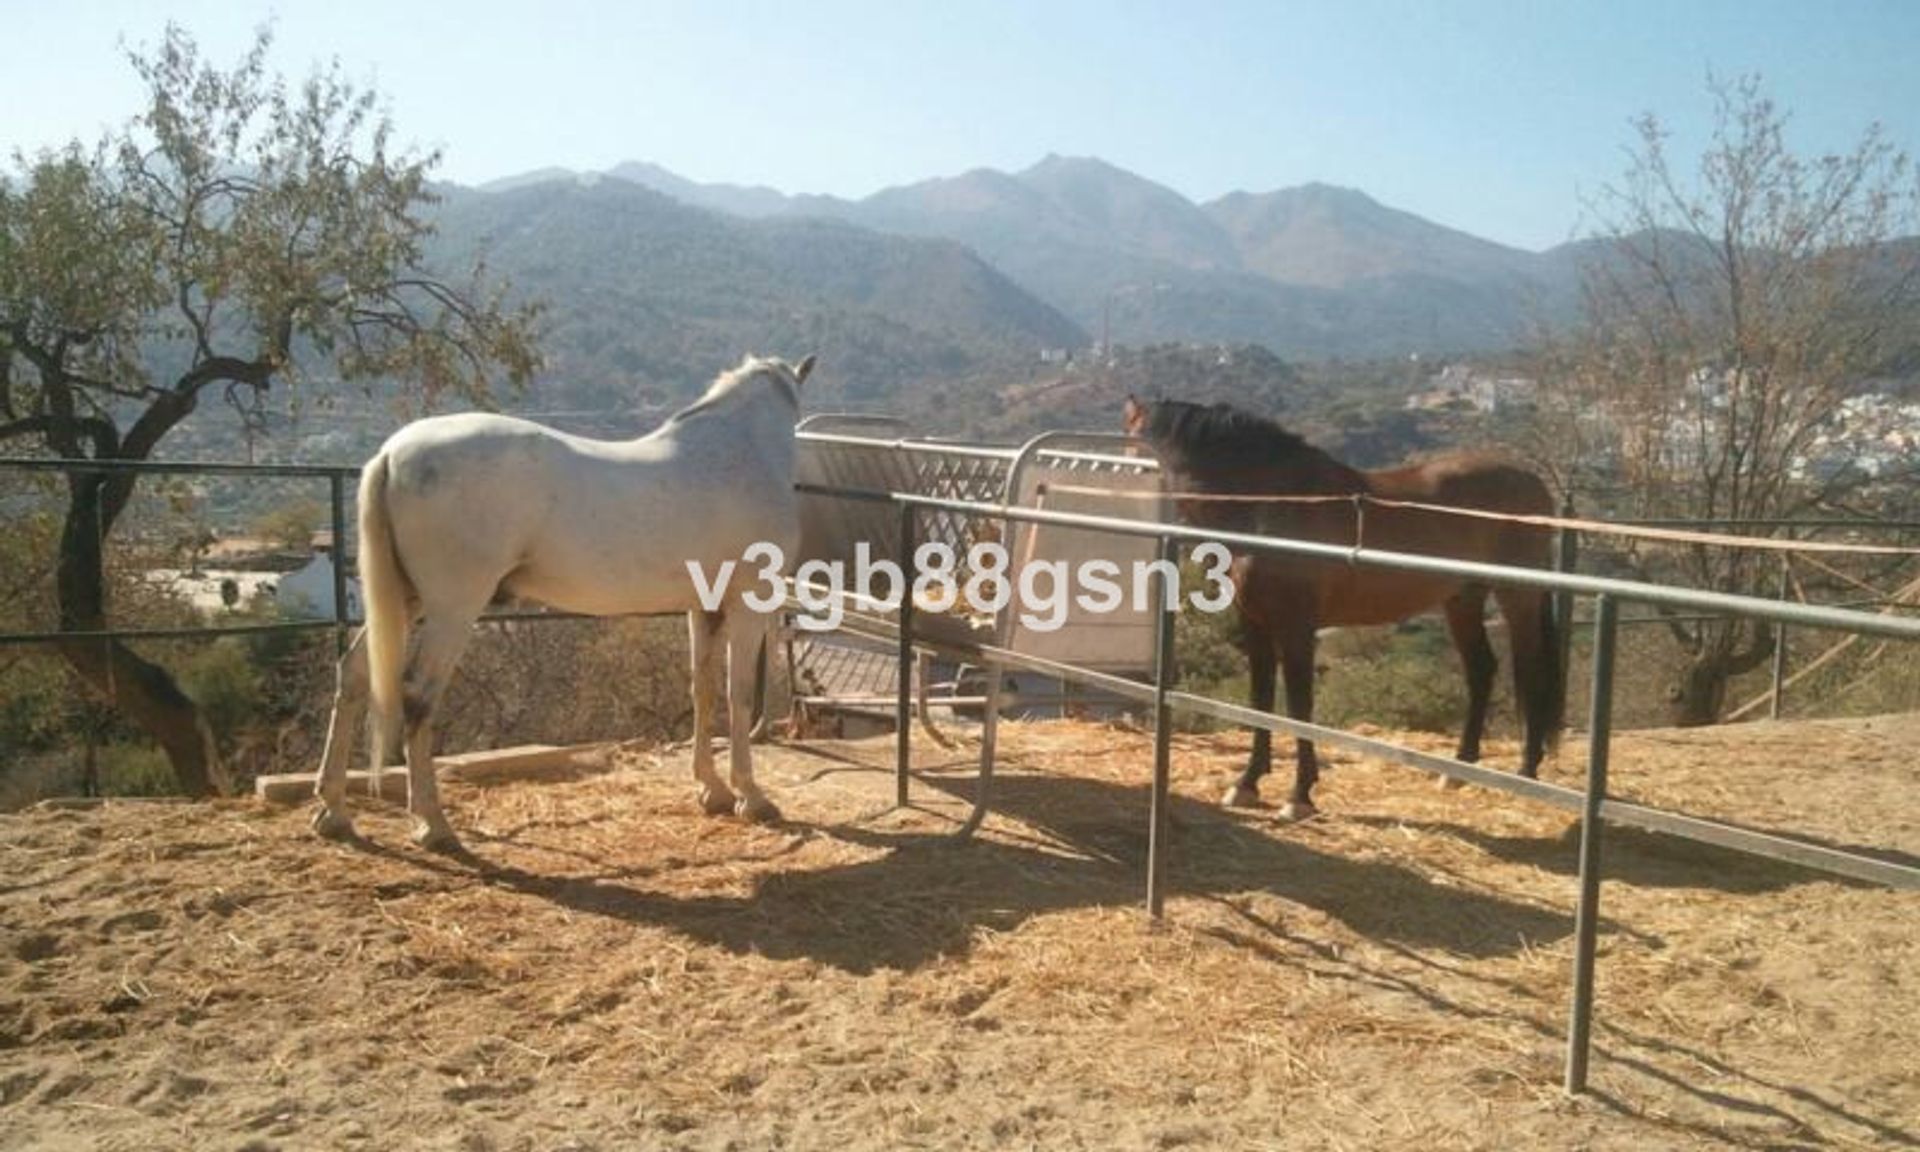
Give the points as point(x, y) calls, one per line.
point(1701, 692)
point(1728, 648)
point(138, 689)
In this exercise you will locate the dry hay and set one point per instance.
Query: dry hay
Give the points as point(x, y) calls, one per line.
point(611, 969)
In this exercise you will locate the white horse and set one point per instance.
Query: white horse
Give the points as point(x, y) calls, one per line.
point(457, 509)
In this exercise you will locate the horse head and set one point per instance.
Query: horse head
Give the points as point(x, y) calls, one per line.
point(802, 370)
point(726, 393)
point(790, 376)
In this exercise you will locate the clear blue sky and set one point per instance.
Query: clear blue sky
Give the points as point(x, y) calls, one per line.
point(1492, 116)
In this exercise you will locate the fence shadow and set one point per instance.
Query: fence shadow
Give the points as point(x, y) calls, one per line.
point(1652, 859)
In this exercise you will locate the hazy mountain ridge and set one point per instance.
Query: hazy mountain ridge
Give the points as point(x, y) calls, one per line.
point(1335, 237)
point(1312, 271)
point(649, 297)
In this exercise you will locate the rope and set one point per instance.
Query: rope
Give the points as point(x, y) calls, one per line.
point(1906, 593)
point(1597, 527)
point(1836, 574)
point(1359, 528)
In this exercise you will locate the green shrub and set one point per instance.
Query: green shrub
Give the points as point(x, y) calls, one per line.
point(1405, 678)
point(224, 680)
point(135, 770)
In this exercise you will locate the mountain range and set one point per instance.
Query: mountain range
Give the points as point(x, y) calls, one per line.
point(967, 303)
point(1311, 272)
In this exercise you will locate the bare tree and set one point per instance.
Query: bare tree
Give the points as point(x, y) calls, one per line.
point(234, 226)
point(1730, 315)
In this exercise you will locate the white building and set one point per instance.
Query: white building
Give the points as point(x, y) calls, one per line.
point(308, 593)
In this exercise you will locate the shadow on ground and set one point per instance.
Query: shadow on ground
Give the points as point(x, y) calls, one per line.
point(924, 897)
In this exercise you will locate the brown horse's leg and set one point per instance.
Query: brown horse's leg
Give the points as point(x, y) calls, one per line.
point(1467, 624)
point(1536, 666)
point(1258, 646)
point(1296, 665)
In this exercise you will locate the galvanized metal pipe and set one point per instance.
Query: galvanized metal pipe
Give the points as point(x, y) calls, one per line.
point(173, 467)
point(10, 639)
point(903, 703)
point(1159, 823)
point(337, 496)
point(1775, 705)
point(1762, 844)
point(1803, 615)
point(1586, 925)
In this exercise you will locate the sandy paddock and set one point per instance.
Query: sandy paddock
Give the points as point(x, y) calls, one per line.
point(609, 969)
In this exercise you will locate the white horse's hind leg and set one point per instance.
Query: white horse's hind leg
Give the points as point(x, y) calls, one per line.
point(332, 819)
point(745, 628)
point(442, 639)
point(703, 630)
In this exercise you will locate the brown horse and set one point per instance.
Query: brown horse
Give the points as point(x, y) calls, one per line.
point(1284, 600)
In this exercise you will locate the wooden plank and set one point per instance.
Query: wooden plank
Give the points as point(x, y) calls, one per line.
point(297, 787)
point(523, 762)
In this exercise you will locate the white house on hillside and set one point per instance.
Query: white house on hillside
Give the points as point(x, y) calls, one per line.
point(308, 593)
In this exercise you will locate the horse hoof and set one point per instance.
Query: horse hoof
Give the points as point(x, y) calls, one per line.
point(717, 801)
point(437, 838)
point(1298, 810)
point(758, 809)
point(332, 824)
point(1240, 796)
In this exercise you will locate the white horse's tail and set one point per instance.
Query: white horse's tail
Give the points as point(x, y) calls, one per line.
point(384, 591)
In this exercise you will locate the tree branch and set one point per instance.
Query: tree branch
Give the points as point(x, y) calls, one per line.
point(105, 439)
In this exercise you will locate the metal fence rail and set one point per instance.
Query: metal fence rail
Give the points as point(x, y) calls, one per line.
point(1608, 593)
point(337, 478)
point(1596, 808)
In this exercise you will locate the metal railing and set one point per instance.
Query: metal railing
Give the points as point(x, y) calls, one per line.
point(1592, 802)
point(341, 622)
point(337, 477)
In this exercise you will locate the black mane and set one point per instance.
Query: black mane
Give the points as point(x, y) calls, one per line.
point(1201, 438)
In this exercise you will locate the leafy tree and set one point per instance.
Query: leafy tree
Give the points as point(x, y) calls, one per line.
point(234, 228)
point(1729, 317)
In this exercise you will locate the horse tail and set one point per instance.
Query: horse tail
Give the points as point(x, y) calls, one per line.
point(1552, 699)
point(384, 591)
point(1556, 624)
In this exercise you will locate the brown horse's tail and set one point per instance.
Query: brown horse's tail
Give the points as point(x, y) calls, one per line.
point(1550, 700)
point(1556, 625)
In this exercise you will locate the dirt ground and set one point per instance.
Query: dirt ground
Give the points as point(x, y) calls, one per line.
point(609, 969)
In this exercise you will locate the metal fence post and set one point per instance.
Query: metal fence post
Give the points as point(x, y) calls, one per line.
point(337, 491)
point(903, 704)
point(1778, 703)
point(1159, 824)
point(1587, 916)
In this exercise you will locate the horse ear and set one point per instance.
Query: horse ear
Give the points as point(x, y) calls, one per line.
point(803, 369)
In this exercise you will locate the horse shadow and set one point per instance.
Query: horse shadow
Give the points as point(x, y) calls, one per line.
point(925, 898)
